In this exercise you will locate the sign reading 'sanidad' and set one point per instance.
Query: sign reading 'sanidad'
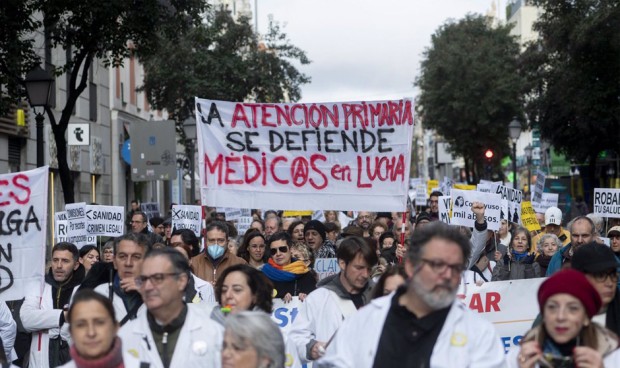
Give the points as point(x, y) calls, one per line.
point(342, 156)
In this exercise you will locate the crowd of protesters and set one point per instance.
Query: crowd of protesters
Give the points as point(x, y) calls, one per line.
point(164, 297)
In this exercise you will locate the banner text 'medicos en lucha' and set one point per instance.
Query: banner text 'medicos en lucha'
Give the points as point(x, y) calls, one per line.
point(342, 156)
point(23, 219)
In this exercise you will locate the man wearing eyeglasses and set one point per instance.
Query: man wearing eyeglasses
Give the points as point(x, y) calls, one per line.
point(364, 220)
point(421, 324)
point(171, 333)
point(139, 225)
point(217, 257)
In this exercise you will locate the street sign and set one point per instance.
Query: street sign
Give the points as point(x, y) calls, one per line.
point(153, 151)
point(78, 134)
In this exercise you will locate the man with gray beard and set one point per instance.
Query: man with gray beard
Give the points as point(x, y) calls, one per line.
point(421, 324)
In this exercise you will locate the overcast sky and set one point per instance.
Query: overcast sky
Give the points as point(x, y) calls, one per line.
point(363, 49)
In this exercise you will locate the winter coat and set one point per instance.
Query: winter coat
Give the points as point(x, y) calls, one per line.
point(205, 268)
point(511, 269)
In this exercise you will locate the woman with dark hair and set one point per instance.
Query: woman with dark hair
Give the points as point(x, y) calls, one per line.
point(89, 255)
point(387, 247)
point(296, 231)
point(93, 329)
point(390, 280)
point(290, 276)
point(242, 287)
point(567, 337)
point(253, 249)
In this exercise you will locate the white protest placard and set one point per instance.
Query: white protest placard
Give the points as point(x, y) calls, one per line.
point(232, 214)
point(512, 306)
point(484, 188)
point(246, 212)
point(244, 223)
point(187, 217)
point(23, 208)
point(539, 188)
point(105, 220)
point(444, 209)
point(420, 195)
point(341, 156)
point(60, 227)
point(318, 215)
point(284, 315)
point(150, 209)
point(463, 215)
point(606, 202)
point(446, 186)
point(547, 200)
point(76, 220)
point(326, 267)
point(514, 198)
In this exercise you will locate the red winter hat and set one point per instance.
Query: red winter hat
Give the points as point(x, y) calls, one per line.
point(573, 283)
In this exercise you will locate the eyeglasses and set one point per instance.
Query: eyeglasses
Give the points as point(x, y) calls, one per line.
point(602, 276)
point(282, 249)
point(441, 267)
point(156, 278)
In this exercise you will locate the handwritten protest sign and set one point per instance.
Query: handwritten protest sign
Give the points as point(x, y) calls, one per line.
point(547, 200)
point(528, 217)
point(187, 217)
point(342, 156)
point(23, 221)
point(606, 202)
point(326, 267)
point(444, 209)
point(514, 198)
point(462, 213)
point(105, 220)
point(76, 220)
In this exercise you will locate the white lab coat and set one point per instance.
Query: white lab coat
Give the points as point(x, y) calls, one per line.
point(465, 340)
point(204, 290)
point(512, 359)
point(129, 361)
point(318, 318)
point(199, 343)
point(8, 331)
point(119, 307)
point(39, 317)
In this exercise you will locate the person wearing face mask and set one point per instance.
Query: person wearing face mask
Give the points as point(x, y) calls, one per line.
point(517, 263)
point(217, 257)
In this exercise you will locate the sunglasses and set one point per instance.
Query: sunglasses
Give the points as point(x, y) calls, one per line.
point(282, 249)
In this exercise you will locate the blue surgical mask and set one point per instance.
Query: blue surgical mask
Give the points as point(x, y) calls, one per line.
point(215, 251)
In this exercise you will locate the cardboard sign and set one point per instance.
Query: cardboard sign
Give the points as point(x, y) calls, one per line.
point(187, 217)
point(60, 227)
point(150, 209)
point(316, 156)
point(462, 214)
point(232, 214)
point(444, 209)
point(539, 188)
point(606, 202)
point(420, 195)
point(105, 220)
point(243, 224)
point(528, 216)
point(430, 185)
point(514, 198)
point(23, 210)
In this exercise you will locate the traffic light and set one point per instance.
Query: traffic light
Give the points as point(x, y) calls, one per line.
point(489, 154)
point(488, 167)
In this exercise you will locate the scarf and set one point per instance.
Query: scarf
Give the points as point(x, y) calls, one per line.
point(286, 273)
point(518, 256)
point(113, 359)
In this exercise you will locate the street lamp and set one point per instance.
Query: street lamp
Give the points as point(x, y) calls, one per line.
point(528, 156)
point(189, 127)
point(38, 86)
point(514, 131)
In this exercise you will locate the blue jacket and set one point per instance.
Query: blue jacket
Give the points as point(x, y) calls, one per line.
point(557, 260)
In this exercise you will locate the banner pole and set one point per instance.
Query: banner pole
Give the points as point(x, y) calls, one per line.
point(52, 209)
point(402, 234)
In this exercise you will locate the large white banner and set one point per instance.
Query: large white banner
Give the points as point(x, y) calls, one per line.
point(187, 217)
point(606, 202)
point(341, 156)
point(463, 215)
point(23, 211)
point(105, 220)
point(511, 306)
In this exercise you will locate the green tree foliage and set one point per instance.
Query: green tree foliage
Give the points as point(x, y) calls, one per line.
point(470, 88)
point(221, 59)
point(573, 76)
point(90, 29)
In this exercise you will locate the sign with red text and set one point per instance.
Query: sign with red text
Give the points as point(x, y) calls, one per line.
point(23, 221)
point(512, 306)
point(341, 156)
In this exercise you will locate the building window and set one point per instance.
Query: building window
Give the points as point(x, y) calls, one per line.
point(92, 94)
point(15, 154)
